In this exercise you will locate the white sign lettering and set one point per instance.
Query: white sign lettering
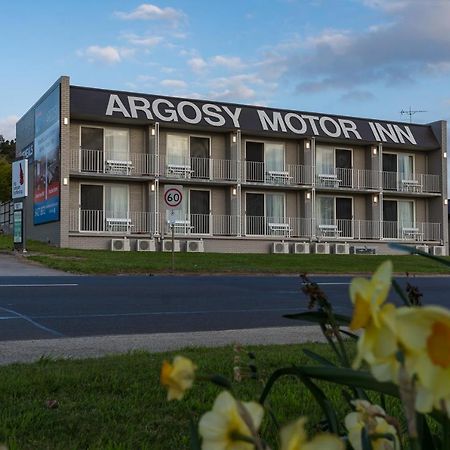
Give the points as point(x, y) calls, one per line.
point(216, 115)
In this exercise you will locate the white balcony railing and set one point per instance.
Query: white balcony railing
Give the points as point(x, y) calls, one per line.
point(414, 183)
point(260, 172)
point(341, 178)
point(258, 226)
point(199, 168)
point(81, 220)
point(120, 163)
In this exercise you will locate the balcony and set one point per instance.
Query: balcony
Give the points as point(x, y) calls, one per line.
point(124, 164)
point(99, 221)
point(370, 229)
point(260, 172)
point(340, 178)
point(199, 169)
point(411, 183)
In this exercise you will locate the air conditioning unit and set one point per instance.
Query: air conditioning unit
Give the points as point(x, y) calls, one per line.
point(438, 250)
point(422, 248)
point(167, 245)
point(120, 245)
point(195, 246)
point(301, 247)
point(145, 245)
point(342, 249)
point(322, 248)
point(280, 247)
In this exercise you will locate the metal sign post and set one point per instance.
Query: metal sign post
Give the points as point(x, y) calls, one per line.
point(173, 198)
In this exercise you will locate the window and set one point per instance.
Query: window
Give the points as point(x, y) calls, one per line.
point(264, 161)
point(265, 213)
point(398, 170)
point(116, 201)
point(333, 167)
point(334, 216)
point(117, 145)
point(274, 157)
point(406, 167)
point(398, 218)
point(177, 150)
point(325, 161)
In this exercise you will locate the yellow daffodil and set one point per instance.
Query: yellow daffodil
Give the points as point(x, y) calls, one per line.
point(294, 437)
point(377, 344)
point(371, 417)
point(221, 427)
point(177, 377)
point(424, 334)
point(368, 296)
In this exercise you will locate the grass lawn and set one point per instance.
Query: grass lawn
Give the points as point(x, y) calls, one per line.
point(107, 262)
point(117, 403)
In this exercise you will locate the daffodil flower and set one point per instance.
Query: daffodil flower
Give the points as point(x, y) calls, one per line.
point(294, 437)
point(368, 296)
point(424, 334)
point(177, 377)
point(223, 427)
point(372, 418)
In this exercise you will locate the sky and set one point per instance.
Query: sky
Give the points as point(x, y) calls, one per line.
point(364, 58)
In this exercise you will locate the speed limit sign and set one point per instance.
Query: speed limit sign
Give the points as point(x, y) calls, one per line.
point(173, 196)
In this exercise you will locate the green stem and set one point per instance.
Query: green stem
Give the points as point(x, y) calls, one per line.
point(414, 444)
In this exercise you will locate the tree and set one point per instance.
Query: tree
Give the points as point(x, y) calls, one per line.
point(5, 180)
point(7, 149)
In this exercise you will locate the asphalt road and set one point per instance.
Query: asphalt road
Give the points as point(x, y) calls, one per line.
point(77, 306)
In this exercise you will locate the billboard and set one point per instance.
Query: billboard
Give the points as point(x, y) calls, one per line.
point(19, 179)
point(47, 159)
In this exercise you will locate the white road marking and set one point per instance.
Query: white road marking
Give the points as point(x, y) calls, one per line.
point(28, 319)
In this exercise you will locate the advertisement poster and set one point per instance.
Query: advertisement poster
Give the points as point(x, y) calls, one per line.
point(46, 158)
point(18, 227)
point(19, 187)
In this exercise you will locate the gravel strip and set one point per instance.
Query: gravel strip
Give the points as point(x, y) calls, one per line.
point(94, 347)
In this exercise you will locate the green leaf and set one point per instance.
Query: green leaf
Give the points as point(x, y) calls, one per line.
point(400, 293)
point(221, 381)
point(324, 403)
point(318, 358)
point(337, 375)
point(425, 435)
point(194, 437)
point(319, 317)
point(349, 333)
point(365, 440)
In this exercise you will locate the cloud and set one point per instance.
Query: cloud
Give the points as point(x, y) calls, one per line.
point(386, 5)
point(8, 127)
point(230, 62)
point(174, 84)
point(109, 54)
point(243, 87)
point(147, 11)
point(412, 42)
point(197, 64)
point(144, 41)
point(357, 96)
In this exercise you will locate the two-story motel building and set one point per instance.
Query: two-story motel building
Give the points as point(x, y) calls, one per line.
point(253, 179)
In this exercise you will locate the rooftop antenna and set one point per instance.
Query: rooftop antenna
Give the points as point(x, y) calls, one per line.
point(410, 112)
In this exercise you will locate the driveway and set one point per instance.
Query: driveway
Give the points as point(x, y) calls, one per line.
point(17, 266)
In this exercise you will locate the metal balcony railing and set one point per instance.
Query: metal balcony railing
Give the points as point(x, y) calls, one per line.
point(199, 168)
point(120, 163)
point(81, 220)
point(411, 182)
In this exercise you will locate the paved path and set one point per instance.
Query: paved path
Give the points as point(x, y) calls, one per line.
point(16, 266)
